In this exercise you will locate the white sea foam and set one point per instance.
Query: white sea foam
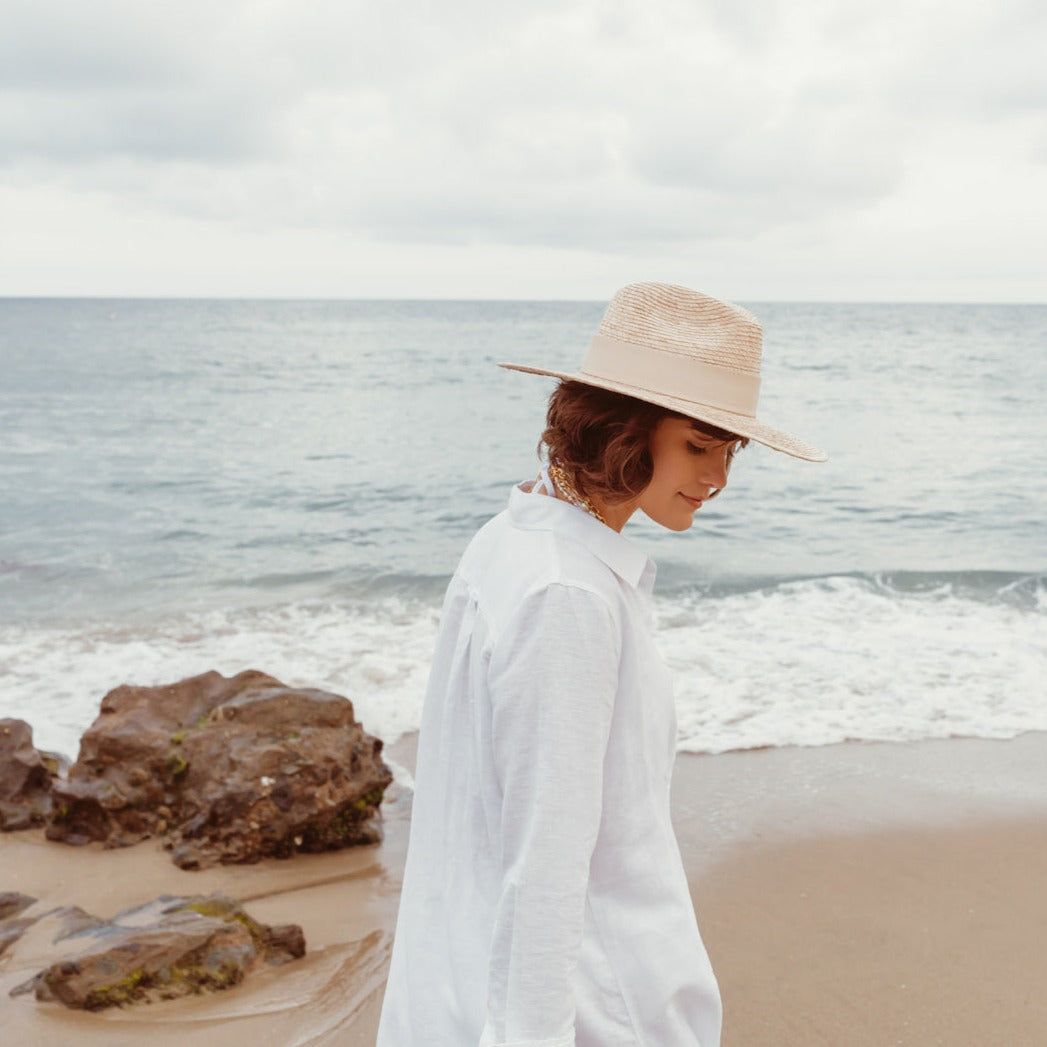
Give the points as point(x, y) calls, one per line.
point(820, 661)
point(801, 663)
point(56, 678)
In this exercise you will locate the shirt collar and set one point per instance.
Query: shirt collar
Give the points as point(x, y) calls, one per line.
point(540, 512)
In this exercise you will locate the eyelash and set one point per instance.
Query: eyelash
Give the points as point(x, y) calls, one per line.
point(696, 449)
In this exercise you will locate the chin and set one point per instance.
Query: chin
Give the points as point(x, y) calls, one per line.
point(673, 523)
point(680, 525)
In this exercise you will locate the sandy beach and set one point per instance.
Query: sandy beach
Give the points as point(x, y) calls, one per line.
point(856, 894)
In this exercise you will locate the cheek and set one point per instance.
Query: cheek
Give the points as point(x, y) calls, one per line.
point(677, 471)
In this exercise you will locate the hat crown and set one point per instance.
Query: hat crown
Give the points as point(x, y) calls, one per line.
point(687, 352)
point(675, 319)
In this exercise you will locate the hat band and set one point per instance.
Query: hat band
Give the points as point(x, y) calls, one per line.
point(672, 374)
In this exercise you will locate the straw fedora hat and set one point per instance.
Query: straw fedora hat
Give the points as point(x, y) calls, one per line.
point(685, 351)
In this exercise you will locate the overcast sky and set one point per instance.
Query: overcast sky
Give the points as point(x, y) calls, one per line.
point(803, 149)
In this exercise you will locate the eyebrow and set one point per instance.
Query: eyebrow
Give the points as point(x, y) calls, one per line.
point(715, 441)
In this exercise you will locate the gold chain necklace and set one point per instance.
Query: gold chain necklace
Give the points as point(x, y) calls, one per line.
point(559, 477)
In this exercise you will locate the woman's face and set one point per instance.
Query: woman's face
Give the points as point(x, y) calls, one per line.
point(688, 467)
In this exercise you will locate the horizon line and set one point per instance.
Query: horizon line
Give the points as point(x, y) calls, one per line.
point(489, 300)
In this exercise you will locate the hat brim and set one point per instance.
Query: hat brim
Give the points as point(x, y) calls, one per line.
point(743, 425)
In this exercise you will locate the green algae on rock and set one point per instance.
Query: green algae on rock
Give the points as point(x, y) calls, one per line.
point(169, 948)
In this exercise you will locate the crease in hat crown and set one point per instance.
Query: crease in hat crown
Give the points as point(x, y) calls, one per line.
point(671, 318)
point(686, 351)
point(670, 340)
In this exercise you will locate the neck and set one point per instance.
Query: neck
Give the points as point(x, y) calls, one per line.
point(566, 489)
point(616, 516)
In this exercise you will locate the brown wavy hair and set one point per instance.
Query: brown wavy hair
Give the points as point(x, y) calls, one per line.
point(602, 439)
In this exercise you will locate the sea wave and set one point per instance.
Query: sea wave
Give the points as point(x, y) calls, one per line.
point(817, 661)
point(802, 661)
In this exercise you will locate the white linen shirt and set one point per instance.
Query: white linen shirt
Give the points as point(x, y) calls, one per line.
point(544, 900)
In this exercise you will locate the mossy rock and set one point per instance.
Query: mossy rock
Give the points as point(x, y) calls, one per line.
point(170, 948)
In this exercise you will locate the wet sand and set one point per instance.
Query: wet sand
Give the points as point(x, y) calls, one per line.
point(851, 895)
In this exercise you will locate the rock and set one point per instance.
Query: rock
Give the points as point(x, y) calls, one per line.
point(13, 902)
point(55, 925)
point(226, 770)
point(11, 927)
point(25, 777)
point(168, 948)
point(12, 930)
point(57, 764)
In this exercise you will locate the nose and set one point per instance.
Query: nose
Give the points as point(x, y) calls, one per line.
point(714, 467)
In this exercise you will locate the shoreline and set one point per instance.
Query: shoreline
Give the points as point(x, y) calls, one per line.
point(856, 894)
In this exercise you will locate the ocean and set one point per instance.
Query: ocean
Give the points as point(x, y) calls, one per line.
point(189, 485)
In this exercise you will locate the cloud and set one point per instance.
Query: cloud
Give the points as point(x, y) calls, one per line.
point(65, 130)
point(971, 63)
point(612, 126)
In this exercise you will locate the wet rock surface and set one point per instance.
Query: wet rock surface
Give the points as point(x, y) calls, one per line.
point(25, 777)
point(13, 902)
point(54, 925)
point(168, 948)
point(12, 925)
point(224, 770)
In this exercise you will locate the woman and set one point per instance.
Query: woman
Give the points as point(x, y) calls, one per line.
point(544, 899)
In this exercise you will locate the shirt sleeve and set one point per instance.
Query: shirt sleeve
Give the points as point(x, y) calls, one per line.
point(553, 681)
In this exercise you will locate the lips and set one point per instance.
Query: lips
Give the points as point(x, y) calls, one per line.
point(696, 502)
